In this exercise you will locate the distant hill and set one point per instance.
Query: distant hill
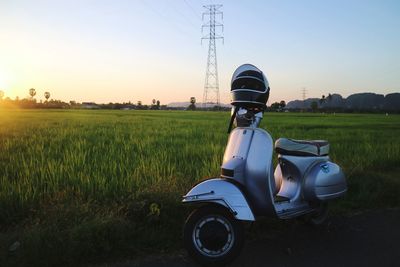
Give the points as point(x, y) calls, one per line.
point(361, 101)
point(333, 101)
point(365, 101)
point(300, 104)
point(392, 101)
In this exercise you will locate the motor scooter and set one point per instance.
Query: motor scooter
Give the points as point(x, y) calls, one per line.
point(302, 184)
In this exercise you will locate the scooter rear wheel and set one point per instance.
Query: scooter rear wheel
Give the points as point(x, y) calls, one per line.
point(212, 236)
point(320, 215)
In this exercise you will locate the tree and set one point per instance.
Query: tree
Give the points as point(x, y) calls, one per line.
point(275, 106)
point(192, 105)
point(32, 92)
point(139, 104)
point(322, 100)
point(155, 104)
point(329, 97)
point(1, 95)
point(282, 104)
point(278, 106)
point(314, 106)
point(47, 96)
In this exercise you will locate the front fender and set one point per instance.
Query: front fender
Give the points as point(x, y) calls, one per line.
point(224, 193)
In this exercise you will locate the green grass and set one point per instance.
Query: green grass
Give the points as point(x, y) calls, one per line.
point(80, 186)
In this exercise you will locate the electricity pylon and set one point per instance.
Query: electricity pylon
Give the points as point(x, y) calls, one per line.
point(211, 86)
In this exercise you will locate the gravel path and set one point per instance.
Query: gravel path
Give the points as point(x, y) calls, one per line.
point(367, 239)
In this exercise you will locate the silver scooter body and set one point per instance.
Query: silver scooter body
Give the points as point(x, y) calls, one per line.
point(249, 187)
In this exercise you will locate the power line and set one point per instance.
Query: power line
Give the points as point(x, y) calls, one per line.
point(211, 86)
point(192, 9)
point(183, 16)
point(165, 18)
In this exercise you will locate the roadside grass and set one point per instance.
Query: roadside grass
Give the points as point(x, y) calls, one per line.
point(82, 186)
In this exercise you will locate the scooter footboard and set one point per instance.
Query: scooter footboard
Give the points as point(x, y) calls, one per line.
point(222, 192)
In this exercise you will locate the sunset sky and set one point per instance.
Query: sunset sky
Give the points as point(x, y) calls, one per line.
point(109, 51)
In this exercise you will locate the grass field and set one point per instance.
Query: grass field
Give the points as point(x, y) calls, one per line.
point(78, 186)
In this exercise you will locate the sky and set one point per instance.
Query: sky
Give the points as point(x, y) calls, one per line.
point(120, 51)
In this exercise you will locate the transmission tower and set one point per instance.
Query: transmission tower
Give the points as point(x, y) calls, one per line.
point(211, 86)
point(304, 93)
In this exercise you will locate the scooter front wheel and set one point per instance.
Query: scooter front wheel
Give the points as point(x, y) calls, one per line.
point(212, 236)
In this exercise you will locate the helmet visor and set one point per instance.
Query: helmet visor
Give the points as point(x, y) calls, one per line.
point(248, 83)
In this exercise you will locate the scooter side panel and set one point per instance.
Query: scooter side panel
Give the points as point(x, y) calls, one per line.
point(222, 192)
point(325, 181)
point(293, 169)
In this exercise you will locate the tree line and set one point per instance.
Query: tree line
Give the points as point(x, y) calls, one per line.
point(31, 103)
point(360, 102)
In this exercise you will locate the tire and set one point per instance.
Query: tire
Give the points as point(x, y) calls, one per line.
point(212, 236)
point(320, 215)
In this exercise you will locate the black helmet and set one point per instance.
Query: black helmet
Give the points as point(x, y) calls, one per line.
point(249, 87)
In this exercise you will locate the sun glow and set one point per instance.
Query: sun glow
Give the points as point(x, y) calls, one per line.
point(5, 83)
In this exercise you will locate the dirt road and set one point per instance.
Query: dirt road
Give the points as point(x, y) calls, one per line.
point(367, 239)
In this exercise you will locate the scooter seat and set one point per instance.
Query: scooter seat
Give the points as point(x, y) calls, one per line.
point(291, 147)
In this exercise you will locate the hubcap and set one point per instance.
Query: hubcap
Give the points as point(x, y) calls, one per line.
point(213, 236)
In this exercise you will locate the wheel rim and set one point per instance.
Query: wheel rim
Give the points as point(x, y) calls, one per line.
point(213, 236)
